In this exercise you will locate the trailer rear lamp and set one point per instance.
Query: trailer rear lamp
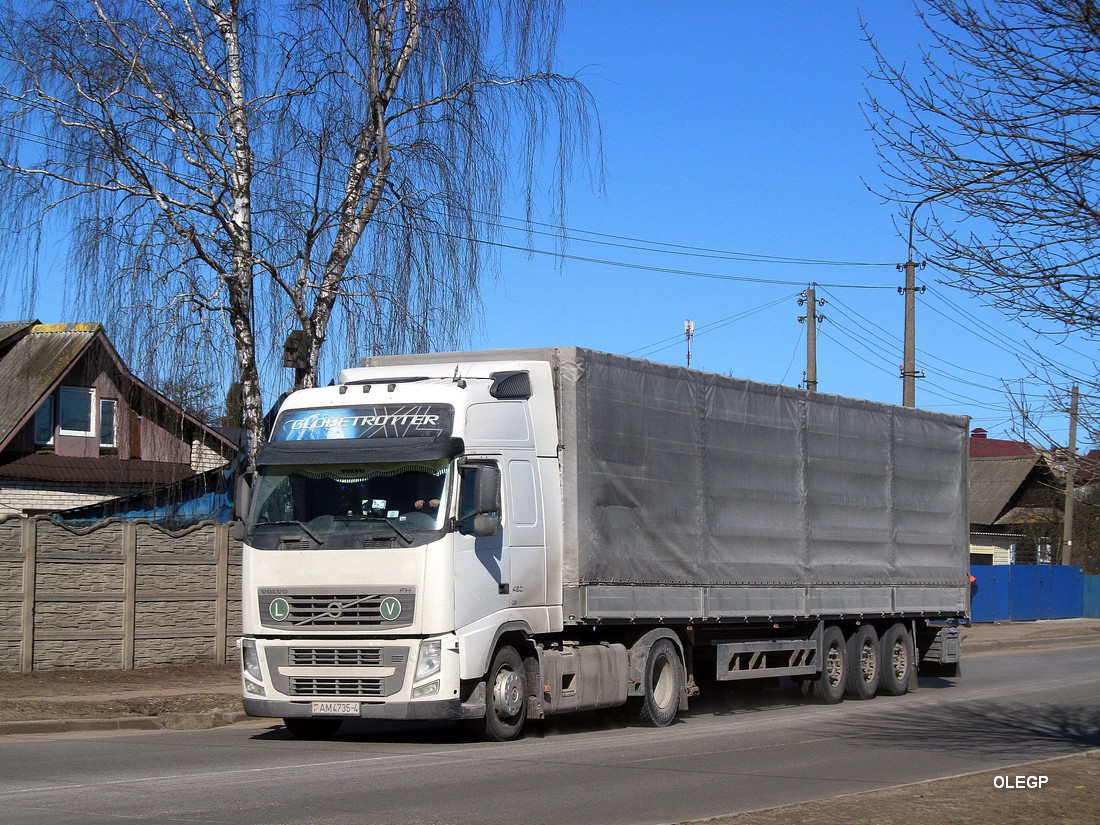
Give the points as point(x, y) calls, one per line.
point(430, 689)
point(429, 660)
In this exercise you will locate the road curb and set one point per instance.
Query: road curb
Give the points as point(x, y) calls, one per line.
point(173, 721)
point(999, 645)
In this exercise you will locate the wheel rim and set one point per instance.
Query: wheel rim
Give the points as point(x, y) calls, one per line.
point(867, 664)
point(834, 665)
point(664, 681)
point(508, 693)
point(899, 659)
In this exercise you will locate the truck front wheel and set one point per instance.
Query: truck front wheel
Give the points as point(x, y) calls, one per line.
point(506, 696)
point(664, 681)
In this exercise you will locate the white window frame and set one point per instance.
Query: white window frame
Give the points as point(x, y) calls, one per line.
point(112, 404)
point(72, 393)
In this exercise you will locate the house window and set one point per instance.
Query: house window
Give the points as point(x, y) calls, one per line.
point(75, 411)
point(43, 422)
point(108, 409)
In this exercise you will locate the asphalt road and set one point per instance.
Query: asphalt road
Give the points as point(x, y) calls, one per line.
point(725, 756)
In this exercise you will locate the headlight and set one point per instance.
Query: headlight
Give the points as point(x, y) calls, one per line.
point(250, 660)
point(428, 662)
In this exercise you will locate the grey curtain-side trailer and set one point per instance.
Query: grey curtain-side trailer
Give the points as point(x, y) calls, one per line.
point(624, 533)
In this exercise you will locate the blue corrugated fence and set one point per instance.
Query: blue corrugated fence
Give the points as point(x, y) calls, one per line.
point(1092, 597)
point(1025, 592)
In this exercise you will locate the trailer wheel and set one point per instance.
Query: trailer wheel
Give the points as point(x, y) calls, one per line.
point(306, 728)
point(863, 663)
point(829, 685)
point(896, 656)
point(505, 697)
point(664, 681)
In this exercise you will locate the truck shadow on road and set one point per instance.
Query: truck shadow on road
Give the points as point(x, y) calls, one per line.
point(969, 727)
point(975, 728)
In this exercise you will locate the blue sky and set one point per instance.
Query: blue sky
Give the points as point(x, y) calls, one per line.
point(733, 137)
point(736, 126)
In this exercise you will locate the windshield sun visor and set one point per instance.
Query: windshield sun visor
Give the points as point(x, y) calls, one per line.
point(288, 453)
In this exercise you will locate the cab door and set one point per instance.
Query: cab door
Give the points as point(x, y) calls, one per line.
point(482, 562)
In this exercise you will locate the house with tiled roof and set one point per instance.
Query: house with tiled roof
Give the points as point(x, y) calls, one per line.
point(78, 428)
point(1017, 500)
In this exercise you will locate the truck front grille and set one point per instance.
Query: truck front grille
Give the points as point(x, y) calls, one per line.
point(333, 686)
point(306, 670)
point(336, 657)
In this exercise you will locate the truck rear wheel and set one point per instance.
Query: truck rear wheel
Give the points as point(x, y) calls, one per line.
point(829, 685)
point(896, 656)
point(664, 681)
point(863, 663)
point(505, 697)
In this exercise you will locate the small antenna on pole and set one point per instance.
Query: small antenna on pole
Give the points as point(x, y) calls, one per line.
point(689, 333)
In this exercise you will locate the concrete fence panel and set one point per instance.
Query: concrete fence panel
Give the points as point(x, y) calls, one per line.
point(116, 595)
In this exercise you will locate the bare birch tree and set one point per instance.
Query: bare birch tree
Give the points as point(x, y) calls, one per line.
point(991, 144)
point(227, 171)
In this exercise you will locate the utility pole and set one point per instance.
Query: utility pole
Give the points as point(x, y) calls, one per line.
point(689, 333)
point(1071, 471)
point(810, 300)
point(909, 372)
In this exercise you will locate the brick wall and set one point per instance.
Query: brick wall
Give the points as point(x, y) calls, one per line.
point(35, 496)
point(203, 458)
point(117, 595)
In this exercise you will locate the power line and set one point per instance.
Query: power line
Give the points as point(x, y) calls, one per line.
point(889, 339)
point(674, 340)
point(652, 246)
point(686, 250)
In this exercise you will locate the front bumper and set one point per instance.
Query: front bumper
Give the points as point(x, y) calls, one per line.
point(288, 678)
point(447, 709)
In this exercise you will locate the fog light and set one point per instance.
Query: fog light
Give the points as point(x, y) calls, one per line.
point(430, 689)
point(253, 688)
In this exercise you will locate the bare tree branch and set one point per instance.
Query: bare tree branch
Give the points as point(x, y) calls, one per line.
point(229, 170)
point(995, 138)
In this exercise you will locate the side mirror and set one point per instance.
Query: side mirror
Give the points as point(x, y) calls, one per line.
point(242, 503)
point(479, 508)
point(481, 525)
point(242, 495)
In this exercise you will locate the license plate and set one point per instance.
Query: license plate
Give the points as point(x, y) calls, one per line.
point(335, 708)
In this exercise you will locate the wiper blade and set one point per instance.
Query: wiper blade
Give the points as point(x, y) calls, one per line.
point(297, 524)
point(408, 539)
point(393, 526)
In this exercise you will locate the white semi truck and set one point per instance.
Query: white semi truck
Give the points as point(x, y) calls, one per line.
point(500, 536)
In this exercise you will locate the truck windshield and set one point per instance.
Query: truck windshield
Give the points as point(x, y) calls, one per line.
point(340, 506)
